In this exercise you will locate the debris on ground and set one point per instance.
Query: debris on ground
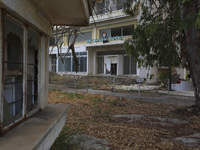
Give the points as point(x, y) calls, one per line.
point(131, 124)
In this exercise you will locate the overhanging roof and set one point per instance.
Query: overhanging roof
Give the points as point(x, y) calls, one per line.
point(65, 12)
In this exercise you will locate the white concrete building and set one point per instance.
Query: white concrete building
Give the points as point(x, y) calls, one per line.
point(100, 49)
point(98, 56)
point(25, 28)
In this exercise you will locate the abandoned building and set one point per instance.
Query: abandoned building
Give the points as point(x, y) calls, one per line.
point(25, 28)
point(98, 56)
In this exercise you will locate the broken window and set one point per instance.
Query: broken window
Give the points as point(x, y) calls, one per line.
point(13, 72)
point(20, 72)
point(32, 71)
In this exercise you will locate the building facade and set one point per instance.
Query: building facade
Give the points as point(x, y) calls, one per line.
point(100, 49)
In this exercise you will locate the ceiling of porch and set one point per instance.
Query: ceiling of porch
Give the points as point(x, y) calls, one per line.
point(65, 12)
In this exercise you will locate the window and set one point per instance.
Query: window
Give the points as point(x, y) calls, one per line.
point(100, 63)
point(116, 31)
point(14, 79)
point(102, 8)
point(32, 71)
point(120, 4)
point(127, 30)
point(129, 65)
point(69, 64)
point(82, 37)
point(54, 62)
point(115, 52)
point(53, 40)
point(13, 72)
point(87, 36)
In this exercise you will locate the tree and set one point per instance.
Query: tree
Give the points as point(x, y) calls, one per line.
point(167, 34)
point(71, 33)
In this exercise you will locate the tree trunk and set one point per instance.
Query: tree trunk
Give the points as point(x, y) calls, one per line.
point(170, 77)
point(192, 48)
point(193, 59)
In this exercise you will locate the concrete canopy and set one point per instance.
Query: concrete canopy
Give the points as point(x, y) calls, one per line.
point(65, 12)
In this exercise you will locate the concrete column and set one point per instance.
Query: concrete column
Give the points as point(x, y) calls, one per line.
point(95, 32)
point(184, 73)
point(25, 60)
point(50, 62)
point(47, 70)
point(43, 75)
point(120, 65)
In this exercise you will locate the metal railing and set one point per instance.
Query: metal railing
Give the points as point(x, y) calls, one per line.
point(110, 83)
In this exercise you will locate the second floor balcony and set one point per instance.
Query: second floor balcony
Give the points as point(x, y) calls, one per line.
point(109, 5)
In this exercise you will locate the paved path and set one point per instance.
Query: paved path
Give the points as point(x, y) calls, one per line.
point(151, 97)
point(183, 98)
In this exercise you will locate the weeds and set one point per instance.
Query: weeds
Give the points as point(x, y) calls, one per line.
point(97, 100)
point(65, 140)
point(74, 95)
point(114, 102)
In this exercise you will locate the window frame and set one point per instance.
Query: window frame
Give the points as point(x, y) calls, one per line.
point(25, 50)
point(78, 55)
point(130, 66)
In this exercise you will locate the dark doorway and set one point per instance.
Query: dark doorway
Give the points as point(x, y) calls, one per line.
point(113, 69)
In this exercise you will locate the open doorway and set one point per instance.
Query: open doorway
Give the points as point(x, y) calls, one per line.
point(113, 69)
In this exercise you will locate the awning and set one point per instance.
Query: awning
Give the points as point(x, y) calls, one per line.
point(65, 12)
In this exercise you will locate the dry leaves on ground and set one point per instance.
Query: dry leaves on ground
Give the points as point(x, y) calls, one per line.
point(93, 114)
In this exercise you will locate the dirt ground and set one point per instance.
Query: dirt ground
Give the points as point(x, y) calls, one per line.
point(151, 126)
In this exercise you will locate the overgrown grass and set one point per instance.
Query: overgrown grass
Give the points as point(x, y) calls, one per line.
point(65, 140)
point(55, 77)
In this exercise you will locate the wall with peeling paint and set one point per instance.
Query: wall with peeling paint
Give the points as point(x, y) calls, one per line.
point(23, 10)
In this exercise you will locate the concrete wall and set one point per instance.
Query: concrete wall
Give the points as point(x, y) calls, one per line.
point(120, 66)
point(182, 72)
point(143, 72)
point(23, 11)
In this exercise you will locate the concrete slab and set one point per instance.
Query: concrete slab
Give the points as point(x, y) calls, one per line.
point(38, 132)
point(180, 93)
point(89, 142)
point(171, 120)
point(132, 116)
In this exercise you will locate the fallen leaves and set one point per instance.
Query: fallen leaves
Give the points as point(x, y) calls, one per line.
point(93, 114)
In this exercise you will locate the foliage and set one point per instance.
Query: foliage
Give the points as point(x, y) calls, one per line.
point(157, 36)
point(167, 34)
point(163, 78)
